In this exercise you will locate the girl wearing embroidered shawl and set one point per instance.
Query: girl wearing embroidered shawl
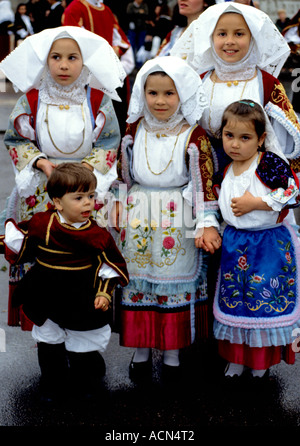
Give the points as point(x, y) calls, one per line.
point(257, 304)
point(167, 166)
point(55, 122)
point(230, 78)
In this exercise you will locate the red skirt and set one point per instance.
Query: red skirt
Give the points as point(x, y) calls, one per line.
point(164, 331)
point(258, 358)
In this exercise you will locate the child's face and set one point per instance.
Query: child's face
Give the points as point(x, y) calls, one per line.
point(161, 96)
point(231, 37)
point(240, 140)
point(76, 207)
point(65, 61)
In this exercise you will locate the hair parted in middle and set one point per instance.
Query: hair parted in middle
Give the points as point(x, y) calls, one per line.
point(70, 177)
point(246, 110)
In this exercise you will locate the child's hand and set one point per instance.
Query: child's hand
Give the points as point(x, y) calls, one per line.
point(247, 203)
point(209, 240)
point(45, 166)
point(101, 303)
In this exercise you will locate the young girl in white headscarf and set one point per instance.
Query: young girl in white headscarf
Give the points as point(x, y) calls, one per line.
point(167, 167)
point(239, 52)
point(66, 114)
point(256, 307)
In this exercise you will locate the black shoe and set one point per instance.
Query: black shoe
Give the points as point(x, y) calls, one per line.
point(140, 371)
point(171, 374)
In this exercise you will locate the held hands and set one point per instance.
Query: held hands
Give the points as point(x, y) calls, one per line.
point(101, 303)
point(209, 240)
point(247, 203)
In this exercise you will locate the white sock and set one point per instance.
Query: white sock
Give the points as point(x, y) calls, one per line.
point(141, 355)
point(171, 357)
point(258, 373)
point(234, 369)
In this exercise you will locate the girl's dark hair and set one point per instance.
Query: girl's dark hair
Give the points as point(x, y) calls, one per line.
point(70, 177)
point(155, 73)
point(246, 110)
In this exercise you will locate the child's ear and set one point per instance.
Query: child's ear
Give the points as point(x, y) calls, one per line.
point(262, 139)
point(57, 204)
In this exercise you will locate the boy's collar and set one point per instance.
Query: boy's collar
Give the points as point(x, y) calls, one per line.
point(75, 225)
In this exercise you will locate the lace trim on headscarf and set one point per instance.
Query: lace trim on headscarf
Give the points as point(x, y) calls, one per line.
point(242, 70)
point(53, 93)
point(171, 126)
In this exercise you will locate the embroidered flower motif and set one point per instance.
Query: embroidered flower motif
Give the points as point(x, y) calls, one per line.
point(274, 283)
point(110, 158)
point(153, 225)
point(171, 206)
point(135, 223)
point(129, 199)
point(98, 206)
point(288, 257)
point(242, 263)
point(228, 276)
point(14, 156)
point(162, 299)
point(136, 297)
point(168, 242)
point(256, 279)
point(289, 191)
point(165, 223)
point(266, 294)
point(31, 201)
point(122, 235)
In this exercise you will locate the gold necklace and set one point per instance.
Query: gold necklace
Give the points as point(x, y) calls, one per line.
point(211, 98)
point(171, 159)
point(61, 107)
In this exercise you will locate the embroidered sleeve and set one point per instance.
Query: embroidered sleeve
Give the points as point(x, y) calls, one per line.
point(205, 205)
point(22, 150)
point(285, 123)
point(276, 174)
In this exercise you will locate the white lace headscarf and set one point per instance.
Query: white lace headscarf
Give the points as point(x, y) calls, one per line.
point(26, 66)
point(268, 48)
point(189, 88)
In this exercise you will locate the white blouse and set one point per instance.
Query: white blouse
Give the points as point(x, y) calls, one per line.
point(235, 186)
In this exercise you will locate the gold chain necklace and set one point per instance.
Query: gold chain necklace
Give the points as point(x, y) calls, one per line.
point(211, 98)
point(171, 159)
point(50, 136)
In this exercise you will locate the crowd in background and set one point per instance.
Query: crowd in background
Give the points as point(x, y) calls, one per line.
point(145, 22)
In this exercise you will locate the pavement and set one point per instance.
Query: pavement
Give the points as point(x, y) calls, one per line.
point(202, 402)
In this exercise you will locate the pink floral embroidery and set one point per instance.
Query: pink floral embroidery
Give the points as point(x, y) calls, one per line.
point(122, 235)
point(288, 257)
point(242, 263)
point(171, 206)
point(31, 201)
point(162, 299)
point(168, 242)
point(98, 206)
point(14, 156)
point(165, 223)
point(110, 158)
